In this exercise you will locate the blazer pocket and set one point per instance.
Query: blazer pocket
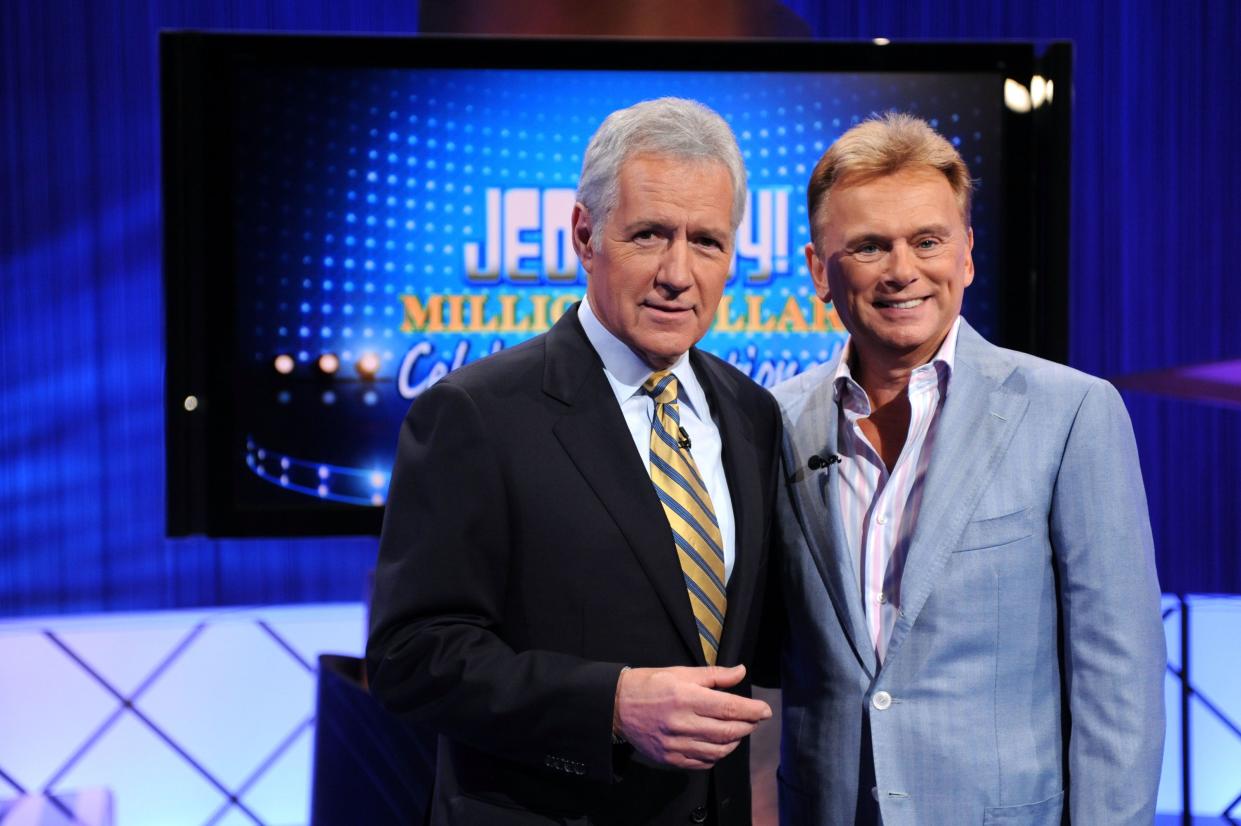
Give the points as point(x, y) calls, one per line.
point(795, 805)
point(465, 809)
point(1044, 813)
point(994, 531)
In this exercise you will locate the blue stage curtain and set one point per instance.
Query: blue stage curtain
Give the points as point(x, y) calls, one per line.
point(81, 364)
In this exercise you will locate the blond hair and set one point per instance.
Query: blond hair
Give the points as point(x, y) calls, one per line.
point(884, 145)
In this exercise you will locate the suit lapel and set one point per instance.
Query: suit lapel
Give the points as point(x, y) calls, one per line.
point(593, 432)
point(813, 432)
point(976, 425)
point(745, 492)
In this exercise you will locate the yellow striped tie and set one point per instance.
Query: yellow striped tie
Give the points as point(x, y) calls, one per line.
point(690, 515)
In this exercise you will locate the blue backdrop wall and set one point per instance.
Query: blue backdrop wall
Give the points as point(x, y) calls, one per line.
point(1155, 216)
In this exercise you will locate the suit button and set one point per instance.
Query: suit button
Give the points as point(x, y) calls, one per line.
point(699, 815)
point(881, 701)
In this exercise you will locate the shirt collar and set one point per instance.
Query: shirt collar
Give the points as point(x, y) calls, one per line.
point(626, 373)
point(937, 371)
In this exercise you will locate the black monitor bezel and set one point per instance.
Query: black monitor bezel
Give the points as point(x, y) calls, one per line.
point(200, 290)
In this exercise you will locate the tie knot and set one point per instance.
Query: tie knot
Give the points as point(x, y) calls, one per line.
point(662, 387)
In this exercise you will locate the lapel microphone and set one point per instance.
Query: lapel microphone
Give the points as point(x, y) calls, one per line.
point(817, 462)
point(683, 440)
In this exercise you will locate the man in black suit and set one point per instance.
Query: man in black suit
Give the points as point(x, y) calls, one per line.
point(574, 551)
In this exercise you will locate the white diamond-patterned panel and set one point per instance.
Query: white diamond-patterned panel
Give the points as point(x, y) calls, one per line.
point(1215, 761)
point(230, 712)
point(244, 694)
point(48, 706)
point(270, 796)
point(87, 807)
point(1213, 627)
point(125, 656)
point(234, 817)
point(1215, 711)
point(151, 784)
point(335, 629)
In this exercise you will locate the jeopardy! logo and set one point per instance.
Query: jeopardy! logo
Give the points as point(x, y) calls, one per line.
point(529, 238)
point(523, 275)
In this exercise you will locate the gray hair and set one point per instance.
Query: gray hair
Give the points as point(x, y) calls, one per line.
point(668, 127)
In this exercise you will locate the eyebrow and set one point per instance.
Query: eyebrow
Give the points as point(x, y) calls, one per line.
point(878, 237)
point(659, 225)
point(646, 223)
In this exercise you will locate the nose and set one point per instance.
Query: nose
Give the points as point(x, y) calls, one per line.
point(675, 269)
point(902, 264)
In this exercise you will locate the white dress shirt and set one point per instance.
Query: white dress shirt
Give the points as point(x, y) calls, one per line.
point(626, 373)
point(880, 508)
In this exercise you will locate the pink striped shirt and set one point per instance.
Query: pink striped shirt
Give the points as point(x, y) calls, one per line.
point(879, 509)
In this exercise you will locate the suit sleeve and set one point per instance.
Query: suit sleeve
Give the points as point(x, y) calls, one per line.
point(773, 623)
point(437, 650)
point(1113, 633)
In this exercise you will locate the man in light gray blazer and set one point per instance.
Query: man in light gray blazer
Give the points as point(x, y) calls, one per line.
point(973, 623)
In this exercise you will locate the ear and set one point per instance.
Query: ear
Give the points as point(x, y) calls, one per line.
point(818, 274)
point(581, 233)
point(969, 258)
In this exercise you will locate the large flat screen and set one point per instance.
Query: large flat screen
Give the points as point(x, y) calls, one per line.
point(349, 219)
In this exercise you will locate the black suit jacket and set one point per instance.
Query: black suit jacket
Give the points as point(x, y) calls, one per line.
point(525, 559)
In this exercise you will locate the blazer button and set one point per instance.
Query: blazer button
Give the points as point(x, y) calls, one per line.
point(881, 701)
point(699, 815)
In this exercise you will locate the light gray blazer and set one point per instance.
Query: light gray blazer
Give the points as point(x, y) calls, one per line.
point(1024, 677)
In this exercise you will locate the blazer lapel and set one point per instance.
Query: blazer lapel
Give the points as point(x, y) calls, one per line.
point(745, 492)
point(977, 423)
point(594, 434)
point(811, 430)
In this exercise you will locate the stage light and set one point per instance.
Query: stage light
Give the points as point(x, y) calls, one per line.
point(328, 364)
point(1016, 96)
point(1041, 91)
point(880, 41)
point(368, 366)
point(284, 364)
point(191, 403)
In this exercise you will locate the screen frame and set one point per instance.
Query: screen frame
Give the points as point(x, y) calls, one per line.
point(199, 274)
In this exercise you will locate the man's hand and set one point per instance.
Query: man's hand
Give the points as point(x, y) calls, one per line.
point(676, 717)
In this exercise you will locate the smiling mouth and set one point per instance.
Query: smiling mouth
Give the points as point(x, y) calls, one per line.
point(899, 305)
